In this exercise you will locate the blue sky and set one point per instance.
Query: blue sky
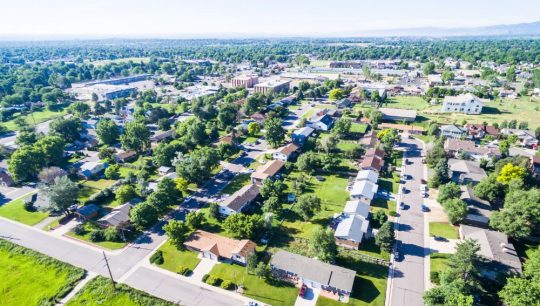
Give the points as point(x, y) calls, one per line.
point(146, 18)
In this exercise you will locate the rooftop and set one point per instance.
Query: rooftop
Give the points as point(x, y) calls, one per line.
point(219, 245)
point(238, 199)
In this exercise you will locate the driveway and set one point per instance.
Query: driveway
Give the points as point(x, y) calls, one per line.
point(204, 267)
point(406, 284)
point(309, 299)
point(8, 194)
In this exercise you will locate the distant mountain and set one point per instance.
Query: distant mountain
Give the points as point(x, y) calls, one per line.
point(520, 29)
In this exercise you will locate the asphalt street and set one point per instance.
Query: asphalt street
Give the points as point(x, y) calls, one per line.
point(407, 285)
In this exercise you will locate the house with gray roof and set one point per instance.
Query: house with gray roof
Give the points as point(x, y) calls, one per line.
point(398, 114)
point(350, 231)
point(314, 273)
point(452, 131)
point(322, 122)
point(479, 210)
point(301, 135)
point(495, 247)
point(239, 200)
point(465, 171)
point(357, 208)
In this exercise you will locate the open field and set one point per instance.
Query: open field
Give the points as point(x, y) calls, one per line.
point(34, 118)
point(31, 278)
point(444, 230)
point(14, 210)
point(174, 259)
point(267, 291)
point(99, 292)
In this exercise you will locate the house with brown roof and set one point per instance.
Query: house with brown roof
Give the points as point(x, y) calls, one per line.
point(124, 156)
point(454, 147)
point(285, 152)
point(370, 140)
point(479, 131)
point(411, 129)
point(239, 200)
point(266, 171)
point(217, 247)
point(259, 117)
point(373, 160)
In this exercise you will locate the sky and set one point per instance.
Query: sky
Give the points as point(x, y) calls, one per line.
point(212, 18)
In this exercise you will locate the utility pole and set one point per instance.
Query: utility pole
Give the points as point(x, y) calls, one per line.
point(110, 273)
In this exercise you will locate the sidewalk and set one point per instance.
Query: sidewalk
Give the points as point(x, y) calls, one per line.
point(87, 278)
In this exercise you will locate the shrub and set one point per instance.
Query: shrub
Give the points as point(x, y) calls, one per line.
point(205, 277)
point(434, 277)
point(97, 235)
point(212, 280)
point(29, 206)
point(112, 234)
point(184, 271)
point(226, 284)
point(79, 230)
point(392, 213)
point(157, 258)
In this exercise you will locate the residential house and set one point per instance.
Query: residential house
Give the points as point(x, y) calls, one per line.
point(368, 175)
point(479, 210)
point(465, 103)
point(455, 147)
point(266, 171)
point(322, 122)
point(217, 247)
point(299, 269)
point(495, 247)
point(258, 117)
point(164, 170)
point(119, 216)
point(285, 152)
point(159, 136)
point(526, 138)
point(87, 212)
point(239, 200)
point(357, 208)
point(301, 135)
point(124, 156)
point(396, 114)
point(90, 169)
point(411, 129)
point(479, 131)
point(373, 160)
point(350, 231)
point(370, 140)
point(363, 190)
point(343, 103)
point(452, 131)
point(465, 171)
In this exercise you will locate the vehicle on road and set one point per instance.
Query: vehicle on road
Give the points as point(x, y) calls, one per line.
point(423, 182)
point(425, 208)
point(402, 205)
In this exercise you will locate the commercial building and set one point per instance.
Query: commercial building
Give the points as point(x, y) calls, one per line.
point(273, 86)
point(245, 81)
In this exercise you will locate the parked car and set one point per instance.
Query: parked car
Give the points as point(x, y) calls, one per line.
point(425, 208)
point(423, 182)
point(303, 290)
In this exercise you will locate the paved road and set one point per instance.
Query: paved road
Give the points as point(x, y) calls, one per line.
point(408, 281)
point(127, 260)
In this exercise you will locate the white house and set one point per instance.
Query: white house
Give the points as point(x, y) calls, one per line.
point(357, 208)
point(285, 152)
point(350, 231)
point(90, 169)
point(465, 103)
point(363, 190)
point(452, 131)
point(368, 175)
point(320, 123)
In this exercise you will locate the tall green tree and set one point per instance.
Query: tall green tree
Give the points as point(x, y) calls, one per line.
point(275, 133)
point(323, 244)
point(107, 131)
point(136, 137)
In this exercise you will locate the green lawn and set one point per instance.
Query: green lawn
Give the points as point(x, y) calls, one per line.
point(250, 139)
point(438, 261)
point(369, 247)
point(407, 102)
point(238, 182)
point(89, 227)
point(309, 113)
point(98, 184)
point(100, 292)
point(388, 184)
point(14, 210)
point(380, 203)
point(31, 278)
point(346, 145)
point(34, 118)
point(526, 248)
point(125, 170)
point(358, 127)
point(85, 193)
point(173, 258)
point(369, 286)
point(271, 292)
point(443, 229)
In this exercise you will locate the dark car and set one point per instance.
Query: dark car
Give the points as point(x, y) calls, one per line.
point(425, 208)
point(303, 290)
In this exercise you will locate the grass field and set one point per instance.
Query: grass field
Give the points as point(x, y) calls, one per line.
point(89, 227)
point(98, 184)
point(271, 292)
point(369, 247)
point(438, 261)
point(35, 118)
point(31, 278)
point(14, 210)
point(407, 102)
point(99, 292)
point(358, 128)
point(238, 182)
point(443, 229)
point(174, 259)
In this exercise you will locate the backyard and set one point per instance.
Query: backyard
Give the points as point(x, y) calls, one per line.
point(236, 183)
point(15, 210)
point(268, 291)
point(99, 292)
point(31, 278)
